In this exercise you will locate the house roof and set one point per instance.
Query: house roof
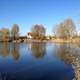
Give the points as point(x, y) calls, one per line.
point(29, 33)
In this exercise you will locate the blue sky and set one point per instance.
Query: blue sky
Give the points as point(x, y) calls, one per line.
point(26, 13)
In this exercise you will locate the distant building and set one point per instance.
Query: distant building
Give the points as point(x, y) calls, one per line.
point(29, 35)
point(78, 33)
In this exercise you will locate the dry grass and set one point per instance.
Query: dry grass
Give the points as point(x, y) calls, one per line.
point(76, 40)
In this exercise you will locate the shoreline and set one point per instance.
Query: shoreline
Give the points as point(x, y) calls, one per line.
point(53, 40)
point(66, 41)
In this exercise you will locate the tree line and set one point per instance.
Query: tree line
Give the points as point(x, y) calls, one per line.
point(65, 30)
point(6, 33)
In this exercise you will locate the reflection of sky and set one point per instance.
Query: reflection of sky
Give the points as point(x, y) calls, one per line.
point(45, 67)
point(29, 12)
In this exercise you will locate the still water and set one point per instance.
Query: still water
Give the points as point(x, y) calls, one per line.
point(38, 61)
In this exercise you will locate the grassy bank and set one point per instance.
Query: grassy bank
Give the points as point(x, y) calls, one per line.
point(76, 40)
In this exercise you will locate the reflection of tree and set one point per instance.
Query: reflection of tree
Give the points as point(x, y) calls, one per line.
point(4, 49)
point(65, 53)
point(38, 49)
point(15, 51)
point(8, 48)
point(69, 55)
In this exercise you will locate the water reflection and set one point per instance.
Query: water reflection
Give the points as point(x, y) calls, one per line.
point(8, 49)
point(70, 55)
point(15, 51)
point(66, 54)
point(38, 50)
point(4, 49)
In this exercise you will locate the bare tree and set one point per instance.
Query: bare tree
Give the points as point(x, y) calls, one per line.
point(5, 33)
point(38, 31)
point(15, 31)
point(60, 31)
point(69, 27)
point(66, 29)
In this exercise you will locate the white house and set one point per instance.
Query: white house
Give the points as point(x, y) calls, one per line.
point(29, 35)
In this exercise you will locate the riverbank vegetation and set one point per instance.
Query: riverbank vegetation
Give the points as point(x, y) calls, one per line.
point(62, 32)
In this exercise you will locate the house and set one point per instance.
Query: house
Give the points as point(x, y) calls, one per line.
point(29, 35)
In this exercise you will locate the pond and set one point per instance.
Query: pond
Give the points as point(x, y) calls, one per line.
point(38, 61)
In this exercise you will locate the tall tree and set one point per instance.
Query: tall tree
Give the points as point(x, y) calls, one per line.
point(69, 27)
point(66, 29)
point(60, 31)
point(5, 33)
point(15, 31)
point(38, 31)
